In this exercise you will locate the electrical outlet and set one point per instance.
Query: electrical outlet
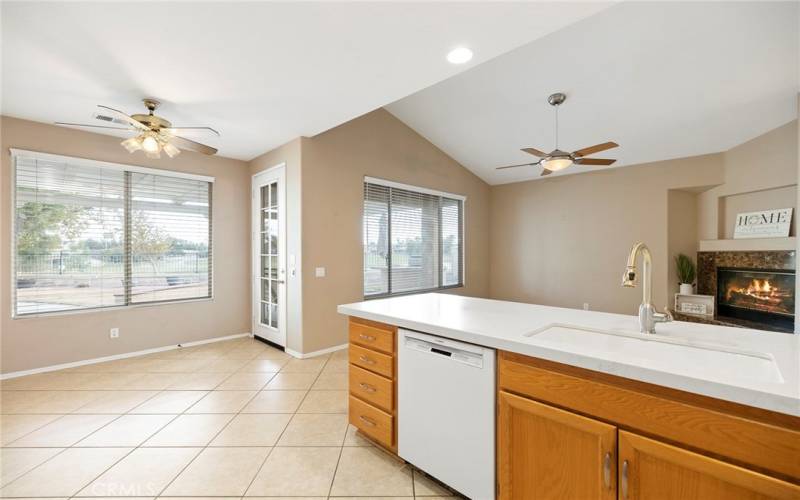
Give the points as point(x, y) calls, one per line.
point(585, 306)
point(319, 272)
point(113, 333)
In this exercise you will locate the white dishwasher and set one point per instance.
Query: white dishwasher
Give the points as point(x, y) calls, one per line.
point(446, 411)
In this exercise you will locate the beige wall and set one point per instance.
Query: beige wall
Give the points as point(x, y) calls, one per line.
point(334, 165)
point(36, 342)
point(760, 174)
point(290, 155)
point(681, 234)
point(563, 241)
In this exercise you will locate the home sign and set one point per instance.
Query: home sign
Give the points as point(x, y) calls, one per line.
point(763, 224)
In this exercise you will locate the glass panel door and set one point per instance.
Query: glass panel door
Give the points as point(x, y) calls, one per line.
point(269, 237)
point(269, 257)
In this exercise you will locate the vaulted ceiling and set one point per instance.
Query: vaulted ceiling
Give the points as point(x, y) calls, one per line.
point(262, 73)
point(663, 79)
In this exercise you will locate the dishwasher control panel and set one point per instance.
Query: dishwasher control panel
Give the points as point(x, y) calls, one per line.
point(437, 349)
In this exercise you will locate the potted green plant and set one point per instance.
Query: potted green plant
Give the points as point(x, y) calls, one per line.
point(686, 272)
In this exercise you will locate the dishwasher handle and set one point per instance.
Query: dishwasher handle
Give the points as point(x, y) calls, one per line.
point(444, 351)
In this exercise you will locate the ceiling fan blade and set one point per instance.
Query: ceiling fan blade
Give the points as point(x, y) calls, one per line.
point(116, 116)
point(534, 152)
point(515, 166)
point(184, 143)
point(593, 161)
point(183, 130)
point(595, 149)
point(91, 126)
point(545, 172)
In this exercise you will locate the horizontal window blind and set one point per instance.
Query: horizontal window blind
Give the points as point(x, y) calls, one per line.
point(413, 240)
point(90, 236)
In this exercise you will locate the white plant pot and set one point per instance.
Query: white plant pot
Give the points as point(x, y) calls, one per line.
point(686, 289)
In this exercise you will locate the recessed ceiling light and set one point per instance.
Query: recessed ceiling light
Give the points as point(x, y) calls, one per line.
point(459, 55)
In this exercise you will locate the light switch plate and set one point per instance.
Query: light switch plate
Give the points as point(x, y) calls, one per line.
point(319, 272)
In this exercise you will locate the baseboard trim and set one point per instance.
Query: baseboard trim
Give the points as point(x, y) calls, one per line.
point(115, 357)
point(304, 355)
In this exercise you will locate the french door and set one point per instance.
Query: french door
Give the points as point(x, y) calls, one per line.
point(269, 255)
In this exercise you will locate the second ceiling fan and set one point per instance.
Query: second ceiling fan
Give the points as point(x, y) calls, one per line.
point(559, 160)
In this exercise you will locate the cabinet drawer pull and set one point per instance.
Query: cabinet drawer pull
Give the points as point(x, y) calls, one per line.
point(368, 338)
point(367, 421)
point(367, 387)
point(607, 470)
point(625, 479)
point(366, 360)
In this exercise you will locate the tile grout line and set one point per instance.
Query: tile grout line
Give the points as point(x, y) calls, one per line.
point(84, 437)
point(278, 439)
point(138, 446)
point(204, 448)
point(241, 369)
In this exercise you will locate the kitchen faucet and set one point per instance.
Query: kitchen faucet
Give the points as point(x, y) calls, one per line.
point(648, 316)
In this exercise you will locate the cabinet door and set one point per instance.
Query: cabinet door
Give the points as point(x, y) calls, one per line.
point(547, 453)
point(653, 470)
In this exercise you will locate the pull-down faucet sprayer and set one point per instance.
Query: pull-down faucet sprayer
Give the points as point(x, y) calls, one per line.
point(648, 316)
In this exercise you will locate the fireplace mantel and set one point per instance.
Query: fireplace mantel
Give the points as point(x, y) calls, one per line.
point(750, 245)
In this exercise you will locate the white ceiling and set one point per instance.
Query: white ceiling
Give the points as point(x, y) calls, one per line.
point(664, 80)
point(261, 73)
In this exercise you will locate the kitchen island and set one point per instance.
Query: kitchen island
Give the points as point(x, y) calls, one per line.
point(692, 411)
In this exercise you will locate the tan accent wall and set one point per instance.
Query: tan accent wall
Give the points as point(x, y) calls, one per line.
point(681, 234)
point(563, 241)
point(797, 200)
point(37, 342)
point(334, 165)
point(759, 175)
point(290, 155)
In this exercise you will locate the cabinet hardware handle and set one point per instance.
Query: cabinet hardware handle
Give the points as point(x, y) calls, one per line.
point(366, 360)
point(367, 387)
point(367, 421)
point(625, 479)
point(368, 338)
point(607, 470)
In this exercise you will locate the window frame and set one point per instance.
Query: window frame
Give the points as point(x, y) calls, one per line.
point(14, 153)
point(462, 244)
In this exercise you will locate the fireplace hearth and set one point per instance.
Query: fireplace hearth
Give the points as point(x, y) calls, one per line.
point(757, 295)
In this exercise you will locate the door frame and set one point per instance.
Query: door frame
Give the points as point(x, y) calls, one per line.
point(266, 176)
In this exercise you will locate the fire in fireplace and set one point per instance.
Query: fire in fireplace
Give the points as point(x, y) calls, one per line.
point(759, 296)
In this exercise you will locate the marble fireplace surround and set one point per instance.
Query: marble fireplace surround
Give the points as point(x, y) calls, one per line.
point(708, 262)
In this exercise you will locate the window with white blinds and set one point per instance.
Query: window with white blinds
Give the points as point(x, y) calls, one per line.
point(89, 235)
point(413, 239)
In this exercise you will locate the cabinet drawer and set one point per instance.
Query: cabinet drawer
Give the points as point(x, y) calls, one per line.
point(372, 361)
point(372, 388)
point(372, 337)
point(372, 421)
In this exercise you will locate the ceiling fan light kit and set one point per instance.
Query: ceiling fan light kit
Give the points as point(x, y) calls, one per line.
point(155, 135)
point(559, 160)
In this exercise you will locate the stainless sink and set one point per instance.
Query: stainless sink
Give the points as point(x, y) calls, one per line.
point(680, 356)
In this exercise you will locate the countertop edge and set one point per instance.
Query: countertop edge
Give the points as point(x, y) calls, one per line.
point(735, 394)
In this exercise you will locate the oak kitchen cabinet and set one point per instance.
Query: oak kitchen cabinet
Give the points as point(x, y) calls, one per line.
point(372, 382)
point(564, 432)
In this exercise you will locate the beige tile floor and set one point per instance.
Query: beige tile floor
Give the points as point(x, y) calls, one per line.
point(230, 419)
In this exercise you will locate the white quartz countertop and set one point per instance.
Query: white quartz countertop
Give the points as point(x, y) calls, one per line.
point(504, 325)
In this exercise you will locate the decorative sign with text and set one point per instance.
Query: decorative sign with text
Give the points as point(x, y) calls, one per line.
point(764, 224)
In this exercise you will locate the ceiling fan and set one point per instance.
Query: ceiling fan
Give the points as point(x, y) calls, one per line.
point(154, 133)
point(559, 160)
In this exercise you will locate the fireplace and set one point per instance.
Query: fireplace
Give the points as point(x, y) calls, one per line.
point(757, 295)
